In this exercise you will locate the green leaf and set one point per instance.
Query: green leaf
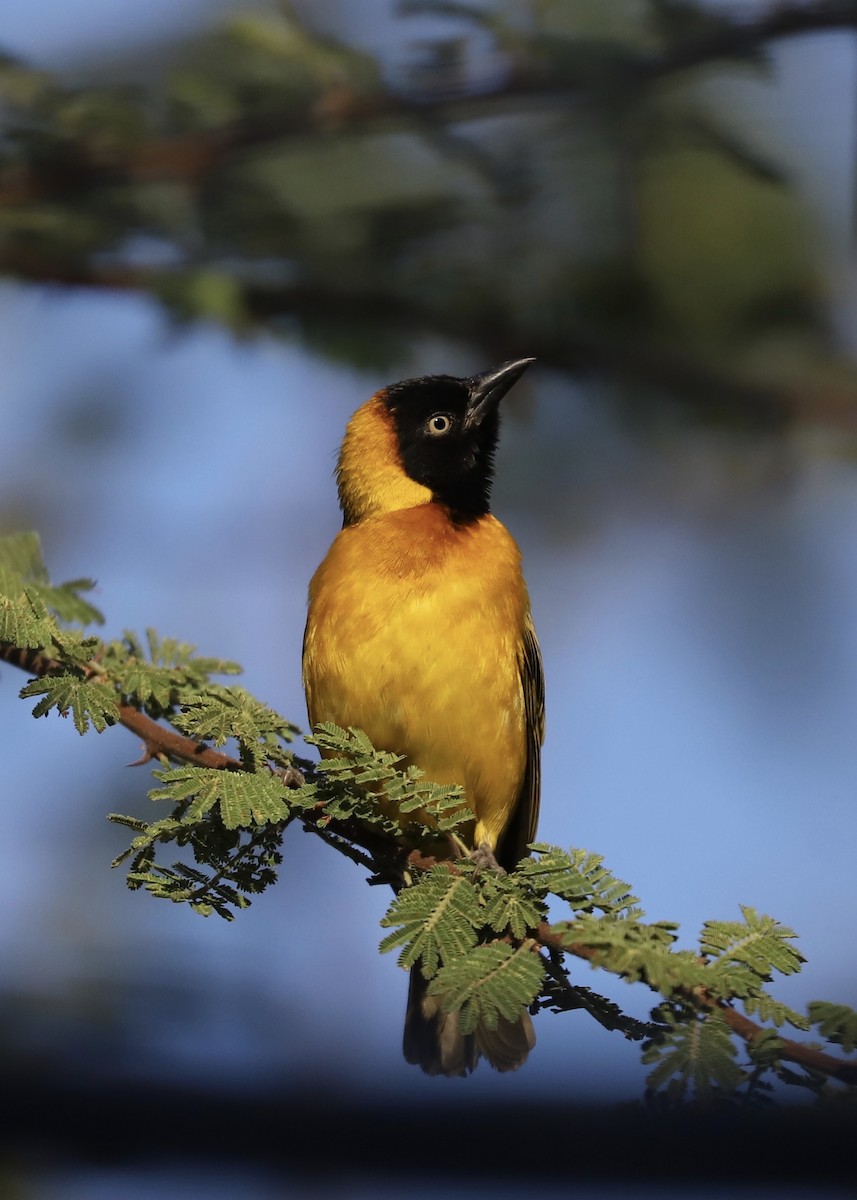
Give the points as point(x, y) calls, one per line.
point(152, 688)
point(765, 1049)
point(561, 996)
point(168, 652)
point(837, 1023)
point(21, 553)
point(73, 648)
point(578, 877)
point(635, 950)
point(66, 602)
point(243, 798)
point(221, 713)
point(27, 596)
point(351, 759)
point(24, 618)
point(437, 920)
point(765, 1007)
point(89, 702)
point(508, 906)
point(693, 1051)
point(759, 942)
point(162, 674)
point(490, 981)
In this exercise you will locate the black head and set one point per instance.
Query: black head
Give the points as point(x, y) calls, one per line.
point(447, 431)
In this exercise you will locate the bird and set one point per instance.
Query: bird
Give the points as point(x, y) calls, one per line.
point(419, 632)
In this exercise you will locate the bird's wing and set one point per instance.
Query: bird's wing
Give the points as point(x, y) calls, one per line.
point(521, 830)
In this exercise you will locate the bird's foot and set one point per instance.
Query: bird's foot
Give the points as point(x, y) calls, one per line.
point(290, 776)
point(483, 858)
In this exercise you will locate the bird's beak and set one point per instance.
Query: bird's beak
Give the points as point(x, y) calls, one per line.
point(489, 388)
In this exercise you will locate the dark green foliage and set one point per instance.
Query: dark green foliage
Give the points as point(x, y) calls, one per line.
point(578, 877)
point(560, 995)
point(743, 955)
point(758, 943)
point(160, 675)
point(509, 907)
point(483, 938)
point(30, 607)
point(242, 798)
point(234, 863)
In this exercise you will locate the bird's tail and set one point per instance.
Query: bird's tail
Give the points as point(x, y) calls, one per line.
point(433, 1041)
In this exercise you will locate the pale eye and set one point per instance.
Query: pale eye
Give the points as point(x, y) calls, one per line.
point(439, 424)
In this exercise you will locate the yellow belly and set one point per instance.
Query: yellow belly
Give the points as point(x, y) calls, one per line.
point(414, 634)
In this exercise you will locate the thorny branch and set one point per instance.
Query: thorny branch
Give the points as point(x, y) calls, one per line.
point(805, 1056)
point(157, 740)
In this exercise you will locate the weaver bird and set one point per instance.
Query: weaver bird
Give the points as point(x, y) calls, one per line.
point(419, 632)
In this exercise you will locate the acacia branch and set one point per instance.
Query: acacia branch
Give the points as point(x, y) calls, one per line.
point(161, 742)
point(157, 740)
point(797, 1052)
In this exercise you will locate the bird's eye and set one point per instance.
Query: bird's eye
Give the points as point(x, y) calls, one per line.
point(439, 424)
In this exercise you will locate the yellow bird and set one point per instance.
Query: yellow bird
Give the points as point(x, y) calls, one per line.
point(419, 632)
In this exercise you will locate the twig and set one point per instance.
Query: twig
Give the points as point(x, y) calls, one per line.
point(739, 38)
point(578, 350)
point(157, 740)
point(805, 1056)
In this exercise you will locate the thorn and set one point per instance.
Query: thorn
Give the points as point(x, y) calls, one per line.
point(146, 756)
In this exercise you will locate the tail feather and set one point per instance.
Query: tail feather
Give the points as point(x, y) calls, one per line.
point(434, 1042)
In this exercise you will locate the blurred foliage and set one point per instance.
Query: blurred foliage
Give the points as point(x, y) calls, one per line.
point(550, 179)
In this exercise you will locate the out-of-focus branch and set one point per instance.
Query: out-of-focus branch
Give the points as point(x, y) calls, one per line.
point(739, 38)
point(578, 350)
point(192, 157)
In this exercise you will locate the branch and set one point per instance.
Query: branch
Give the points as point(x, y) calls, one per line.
point(161, 742)
point(805, 1056)
point(157, 740)
point(580, 351)
point(192, 157)
point(738, 38)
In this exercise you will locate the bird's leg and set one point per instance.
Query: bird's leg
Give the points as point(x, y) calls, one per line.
point(457, 848)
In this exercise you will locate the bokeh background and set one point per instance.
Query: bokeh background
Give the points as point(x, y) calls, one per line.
point(221, 230)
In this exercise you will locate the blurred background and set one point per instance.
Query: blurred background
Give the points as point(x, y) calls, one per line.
point(223, 228)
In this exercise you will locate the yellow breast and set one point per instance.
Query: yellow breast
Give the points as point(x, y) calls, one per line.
point(415, 634)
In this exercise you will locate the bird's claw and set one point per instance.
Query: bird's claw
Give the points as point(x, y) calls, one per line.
point(483, 859)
